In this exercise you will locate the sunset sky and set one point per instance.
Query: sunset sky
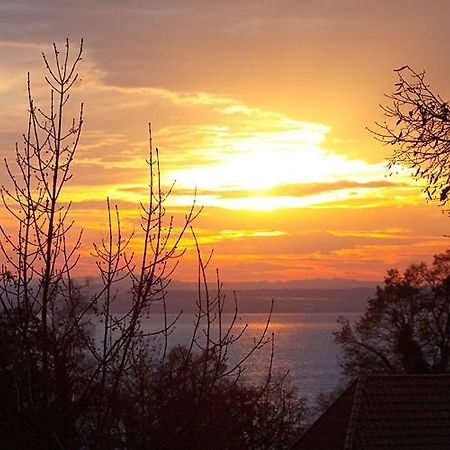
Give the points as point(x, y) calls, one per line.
point(260, 105)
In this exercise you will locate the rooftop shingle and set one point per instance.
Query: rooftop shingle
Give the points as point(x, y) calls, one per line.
point(385, 412)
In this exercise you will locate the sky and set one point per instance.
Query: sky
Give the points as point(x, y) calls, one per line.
point(261, 106)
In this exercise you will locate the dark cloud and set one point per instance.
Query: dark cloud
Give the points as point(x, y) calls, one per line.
point(176, 43)
point(312, 60)
point(299, 190)
point(295, 190)
point(310, 241)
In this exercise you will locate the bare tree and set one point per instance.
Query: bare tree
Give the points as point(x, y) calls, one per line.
point(73, 373)
point(418, 126)
point(37, 287)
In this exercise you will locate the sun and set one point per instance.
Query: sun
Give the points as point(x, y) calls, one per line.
point(247, 169)
point(258, 161)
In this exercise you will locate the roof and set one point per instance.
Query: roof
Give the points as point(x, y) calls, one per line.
point(385, 412)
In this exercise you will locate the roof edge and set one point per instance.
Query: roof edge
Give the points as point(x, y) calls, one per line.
point(350, 435)
point(325, 411)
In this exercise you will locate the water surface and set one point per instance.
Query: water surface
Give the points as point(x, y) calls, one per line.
point(304, 346)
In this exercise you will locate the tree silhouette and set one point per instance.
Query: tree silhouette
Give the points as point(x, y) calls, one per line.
point(75, 375)
point(406, 328)
point(418, 126)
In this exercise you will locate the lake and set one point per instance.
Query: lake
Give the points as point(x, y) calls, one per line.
point(304, 346)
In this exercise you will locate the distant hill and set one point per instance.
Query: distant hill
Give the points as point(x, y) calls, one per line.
point(314, 283)
point(285, 300)
point(300, 300)
point(316, 295)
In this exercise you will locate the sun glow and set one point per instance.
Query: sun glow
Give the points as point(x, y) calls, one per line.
point(247, 169)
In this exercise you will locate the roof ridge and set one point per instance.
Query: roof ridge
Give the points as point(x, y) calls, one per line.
point(350, 435)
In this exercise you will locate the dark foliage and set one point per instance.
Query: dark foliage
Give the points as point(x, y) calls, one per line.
point(188, 401)
point(406, 328)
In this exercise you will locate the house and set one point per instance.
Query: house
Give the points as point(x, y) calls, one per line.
point(385, 412)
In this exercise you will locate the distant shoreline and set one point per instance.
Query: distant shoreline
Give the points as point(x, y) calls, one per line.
point(351, 300)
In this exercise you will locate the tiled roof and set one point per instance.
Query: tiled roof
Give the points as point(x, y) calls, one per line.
point(386, 412)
